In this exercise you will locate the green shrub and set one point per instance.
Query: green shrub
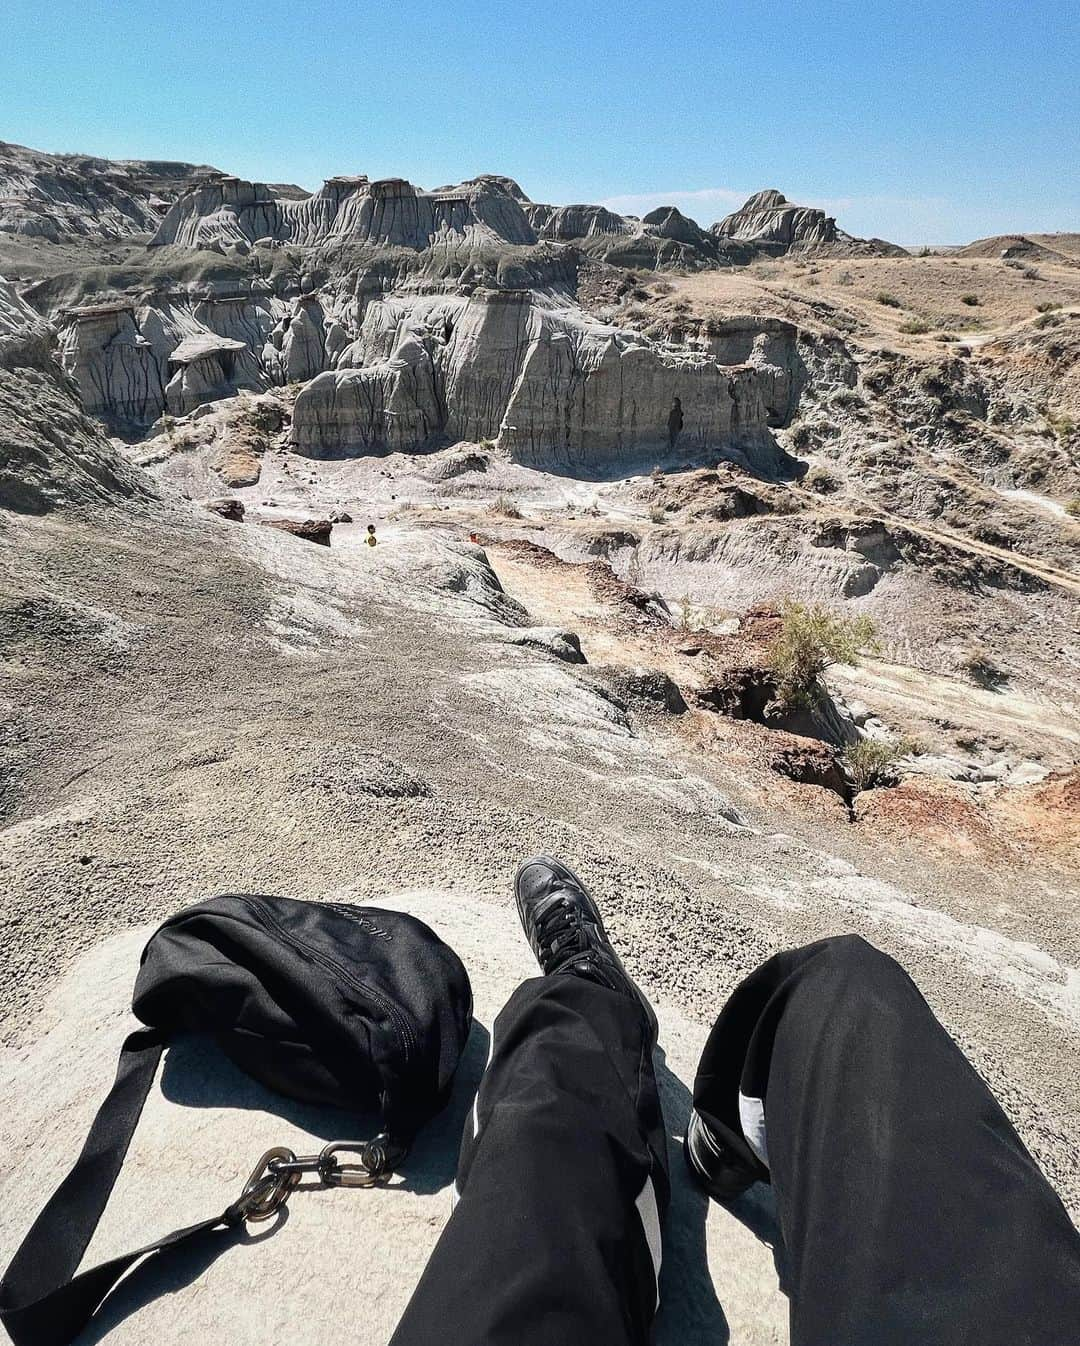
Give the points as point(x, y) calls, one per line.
point(915, 326)
point(811, 639)
point(889, 300)
point(972, 300)
point(1064, 427)
point(871, 761)
point(1073, 507)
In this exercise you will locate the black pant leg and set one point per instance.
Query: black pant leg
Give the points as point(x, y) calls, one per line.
point(911, 1212)
point(562, 1183)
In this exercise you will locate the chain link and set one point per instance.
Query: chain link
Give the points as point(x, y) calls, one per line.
point(278, 1174)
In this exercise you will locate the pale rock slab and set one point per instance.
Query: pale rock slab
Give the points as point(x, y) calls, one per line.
point(341, 1267)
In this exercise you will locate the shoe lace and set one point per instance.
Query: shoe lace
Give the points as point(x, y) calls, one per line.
point(559, 929)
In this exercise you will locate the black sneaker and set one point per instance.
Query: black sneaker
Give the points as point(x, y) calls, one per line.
point(565, 931)
point(714, 1166)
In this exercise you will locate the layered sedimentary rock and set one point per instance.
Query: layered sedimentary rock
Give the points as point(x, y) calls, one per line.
point(66, 197)
point(553, 386)
point(134, 361)
point(228, 214)
point(388, 212)
point(771, 223)
point(51, 452)
point(768, 218)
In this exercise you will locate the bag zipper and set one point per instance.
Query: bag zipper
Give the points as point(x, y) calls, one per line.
point(397, 1019)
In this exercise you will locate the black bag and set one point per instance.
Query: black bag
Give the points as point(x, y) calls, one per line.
point(355, 1007)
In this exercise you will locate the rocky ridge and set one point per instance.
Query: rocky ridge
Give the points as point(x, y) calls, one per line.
point(770, 222)
point(60, 197)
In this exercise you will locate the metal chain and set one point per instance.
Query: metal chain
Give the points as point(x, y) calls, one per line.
point(278, 1173)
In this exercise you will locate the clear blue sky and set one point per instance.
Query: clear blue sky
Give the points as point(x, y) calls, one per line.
point(918, 122)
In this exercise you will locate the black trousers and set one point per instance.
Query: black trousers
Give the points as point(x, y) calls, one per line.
point(910, 1211)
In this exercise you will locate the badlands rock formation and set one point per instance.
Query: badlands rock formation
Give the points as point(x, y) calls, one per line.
point(59, 197)
point(422, 315)
point(772, 223)
point(389, 212)
point(551, 385)
point(51, 452)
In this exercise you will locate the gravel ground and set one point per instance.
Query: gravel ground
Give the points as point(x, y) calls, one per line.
point(195, 706)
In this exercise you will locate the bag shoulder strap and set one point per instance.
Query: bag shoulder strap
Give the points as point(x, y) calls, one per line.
point(42, 1300)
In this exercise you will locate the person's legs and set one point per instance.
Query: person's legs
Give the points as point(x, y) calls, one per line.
point(910, 1209)
point(562, 1179)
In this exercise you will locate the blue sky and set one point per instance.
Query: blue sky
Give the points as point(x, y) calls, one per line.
point(917, 122)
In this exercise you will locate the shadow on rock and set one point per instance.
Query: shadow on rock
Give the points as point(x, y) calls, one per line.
point(690, 1313)
point(159, 1276)
point(198, 1075)
point(756, 1209)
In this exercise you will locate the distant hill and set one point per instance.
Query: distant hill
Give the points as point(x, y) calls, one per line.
point(1060, 248)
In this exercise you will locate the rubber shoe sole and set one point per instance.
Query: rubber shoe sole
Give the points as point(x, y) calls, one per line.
point(713, 1168)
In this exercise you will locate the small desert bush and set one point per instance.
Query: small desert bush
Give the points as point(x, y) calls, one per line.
point(507, 506)
point(801, 436)
point(1013, 264)
point(889, 300)
point(1047, 320)
point(847, 397)
point(812, 638)
point(1064, 427)
point(1046, 308)
point(972, 300)
point(844, 278)
point(871, 762)
point(488, 445)
point(946, 336)
point(1031, 273)
point(981, 667)
point(657, 513)
point(1073, 507)
point(915, 327)
point(663, 287)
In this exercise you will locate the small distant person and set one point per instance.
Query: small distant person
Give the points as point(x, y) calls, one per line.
point(371, 539)
point(674, 423)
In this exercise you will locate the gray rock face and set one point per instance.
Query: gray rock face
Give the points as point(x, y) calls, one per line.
point(552, 385)
point(51, 453)
point(772, 224)
point(769, 218)
point(227, 214)
point(389, 212)
point(61, 197)
point(134, 361)
point(564, 645)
